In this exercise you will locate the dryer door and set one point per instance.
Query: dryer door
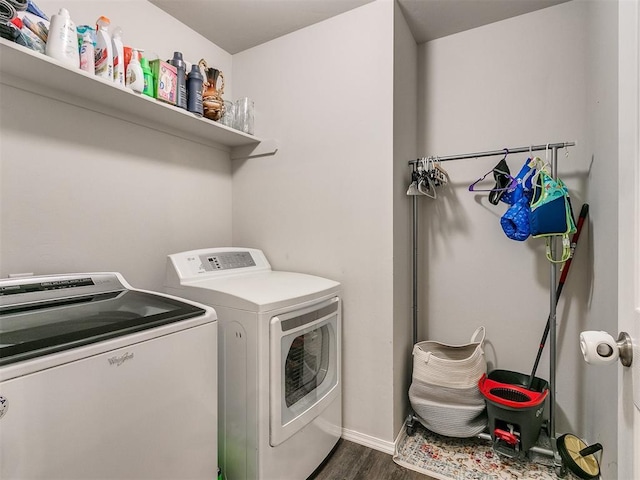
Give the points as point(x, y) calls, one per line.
point(304, 367)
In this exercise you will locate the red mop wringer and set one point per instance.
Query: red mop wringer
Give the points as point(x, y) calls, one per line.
point(515, 412)
point(516, 401)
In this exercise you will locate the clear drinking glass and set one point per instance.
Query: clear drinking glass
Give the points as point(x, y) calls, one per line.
point(229, 116)
point(244, 115)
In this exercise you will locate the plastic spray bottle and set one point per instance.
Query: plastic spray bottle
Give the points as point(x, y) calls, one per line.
point(104, 50)
point(118, 56)
point(62, 41)
point(135, 76)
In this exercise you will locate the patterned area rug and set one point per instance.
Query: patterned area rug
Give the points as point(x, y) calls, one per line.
point(447, 458)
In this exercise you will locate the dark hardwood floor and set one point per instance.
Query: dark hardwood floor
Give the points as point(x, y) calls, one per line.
point(350, 461)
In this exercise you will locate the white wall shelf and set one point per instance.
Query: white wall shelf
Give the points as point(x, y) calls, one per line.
point(25, 69)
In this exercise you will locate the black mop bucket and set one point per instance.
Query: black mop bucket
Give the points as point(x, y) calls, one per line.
point(515, 411)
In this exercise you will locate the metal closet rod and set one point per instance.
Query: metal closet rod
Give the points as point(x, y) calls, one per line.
point(493, 153)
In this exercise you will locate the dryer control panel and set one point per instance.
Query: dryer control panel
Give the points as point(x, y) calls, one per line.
point(227, 260)
point(216, 262)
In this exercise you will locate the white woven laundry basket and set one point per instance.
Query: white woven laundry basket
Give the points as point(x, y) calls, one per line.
point(444, 391)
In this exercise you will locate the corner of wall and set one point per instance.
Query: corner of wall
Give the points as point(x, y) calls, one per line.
point(405, 114)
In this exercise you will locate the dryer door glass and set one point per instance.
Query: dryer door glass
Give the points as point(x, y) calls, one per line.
point(305, 366)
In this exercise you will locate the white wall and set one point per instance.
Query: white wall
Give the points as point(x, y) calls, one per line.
point(597, 385)
point(405, 118)
point(548, 76)
point(82, 191)
point(324, 203)
point(513, 83)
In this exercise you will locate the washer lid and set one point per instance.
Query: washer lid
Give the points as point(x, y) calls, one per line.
point(262, 292)
point(43, 315)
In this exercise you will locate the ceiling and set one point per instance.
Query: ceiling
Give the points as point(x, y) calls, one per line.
point(431, 19)
point(236, 25)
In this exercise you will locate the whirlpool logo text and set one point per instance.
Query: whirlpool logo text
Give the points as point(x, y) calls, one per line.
point(117, 361)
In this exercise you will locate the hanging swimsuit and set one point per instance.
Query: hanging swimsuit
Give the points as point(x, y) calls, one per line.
point(551, 213)
point(515, 221)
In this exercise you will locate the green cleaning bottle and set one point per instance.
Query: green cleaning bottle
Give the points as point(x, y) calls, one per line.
point(148, 77)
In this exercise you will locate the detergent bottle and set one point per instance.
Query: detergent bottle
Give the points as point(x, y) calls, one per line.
point(148, 77)
point(135, 76)
point(104, 50)
point(178, 62)
point(62, 41)
point(195, 82)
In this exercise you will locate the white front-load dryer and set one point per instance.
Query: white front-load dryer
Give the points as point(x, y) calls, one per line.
point(280, 400)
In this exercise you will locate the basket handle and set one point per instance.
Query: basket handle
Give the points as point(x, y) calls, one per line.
point(473, 339)
point(427, 357)
point(424, 356)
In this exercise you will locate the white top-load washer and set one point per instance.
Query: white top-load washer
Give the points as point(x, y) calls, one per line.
point(102, 381)
point(280, 411)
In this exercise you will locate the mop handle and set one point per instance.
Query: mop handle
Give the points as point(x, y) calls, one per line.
point(563, 277)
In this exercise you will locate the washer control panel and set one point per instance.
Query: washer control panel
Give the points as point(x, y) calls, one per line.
point(216, 262)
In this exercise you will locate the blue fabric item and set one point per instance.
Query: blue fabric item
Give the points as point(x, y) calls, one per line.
point(523, 180)
point(550, 208)
point(33, 8)
point(515, 221)
point(550, 218)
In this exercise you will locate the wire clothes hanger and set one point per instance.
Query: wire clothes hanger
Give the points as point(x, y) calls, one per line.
point(425, 183)
point(438, 174)
point(502, 176)
point(427, 175)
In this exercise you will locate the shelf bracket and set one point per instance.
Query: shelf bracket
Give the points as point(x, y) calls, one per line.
point(264, 148)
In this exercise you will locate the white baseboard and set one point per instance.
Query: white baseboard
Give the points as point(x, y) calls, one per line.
point(369, 441)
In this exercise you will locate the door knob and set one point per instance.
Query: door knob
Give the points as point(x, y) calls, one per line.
point(599, 348)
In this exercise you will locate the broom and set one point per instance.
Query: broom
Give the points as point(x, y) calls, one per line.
point(563, 277)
